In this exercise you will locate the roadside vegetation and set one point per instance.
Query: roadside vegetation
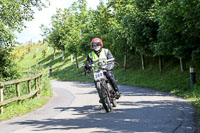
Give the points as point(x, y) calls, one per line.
point(12, 21)
point(26, 58)
point(15, 109)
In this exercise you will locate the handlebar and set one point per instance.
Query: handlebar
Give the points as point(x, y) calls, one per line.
point(100, 65)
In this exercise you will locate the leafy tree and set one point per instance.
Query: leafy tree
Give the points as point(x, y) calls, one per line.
point(139, 28)
point(79, 21)
point(13, 14)
point(178, 28)
point(146, 27)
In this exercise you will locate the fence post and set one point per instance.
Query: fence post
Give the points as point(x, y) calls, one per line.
point(192, 76)
point(36, 85)
point(18, 92)
point(29, 86)
point(1, 97)
point(50, 71)
point(40, 83)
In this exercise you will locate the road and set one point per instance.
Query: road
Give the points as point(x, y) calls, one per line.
point(74, 108)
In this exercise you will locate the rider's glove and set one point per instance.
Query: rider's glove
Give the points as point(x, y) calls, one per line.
point(88, 67)
point(110, 67)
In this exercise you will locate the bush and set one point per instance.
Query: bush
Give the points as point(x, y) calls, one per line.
point(34, 56)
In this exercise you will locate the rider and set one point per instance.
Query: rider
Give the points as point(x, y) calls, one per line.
point(100, 53)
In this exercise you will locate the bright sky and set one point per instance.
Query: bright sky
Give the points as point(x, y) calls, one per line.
point(44, 17)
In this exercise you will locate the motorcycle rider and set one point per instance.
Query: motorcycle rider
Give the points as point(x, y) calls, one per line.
point(97, 54)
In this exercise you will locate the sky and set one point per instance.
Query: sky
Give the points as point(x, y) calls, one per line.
point(44, 17)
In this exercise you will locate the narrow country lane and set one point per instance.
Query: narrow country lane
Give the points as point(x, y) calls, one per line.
point(74, 108)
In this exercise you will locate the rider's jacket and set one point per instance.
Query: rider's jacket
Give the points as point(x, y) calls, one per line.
point(95, 57)
point(98, 58)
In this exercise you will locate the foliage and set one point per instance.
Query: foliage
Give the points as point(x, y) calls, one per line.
point(178, 27)
point(8, 69)
point(44, 51)
point(29, 67)
point(150, 28)
point(13, 14)
point(11, 20)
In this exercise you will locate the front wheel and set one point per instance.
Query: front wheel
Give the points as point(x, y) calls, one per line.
point(107, 104)
point(104, 97)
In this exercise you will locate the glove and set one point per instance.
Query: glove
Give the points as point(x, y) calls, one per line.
point(110, 67)
point(88, 66)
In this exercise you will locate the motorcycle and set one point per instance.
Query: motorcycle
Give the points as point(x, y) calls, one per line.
point(106, 91)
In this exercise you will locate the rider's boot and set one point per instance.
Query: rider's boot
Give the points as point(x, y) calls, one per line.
point(116, 89)
point(117, 94)
point(114, 84)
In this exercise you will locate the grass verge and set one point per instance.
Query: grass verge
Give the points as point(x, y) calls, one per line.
point(14, 109)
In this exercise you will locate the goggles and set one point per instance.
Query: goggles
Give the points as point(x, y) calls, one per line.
point(96, 44)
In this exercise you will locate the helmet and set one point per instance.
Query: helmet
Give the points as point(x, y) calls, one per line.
point(98, 43)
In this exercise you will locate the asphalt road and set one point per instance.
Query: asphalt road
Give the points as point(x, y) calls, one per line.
point(74, 108)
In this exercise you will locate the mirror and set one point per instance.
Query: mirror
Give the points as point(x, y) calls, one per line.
point(82, 64)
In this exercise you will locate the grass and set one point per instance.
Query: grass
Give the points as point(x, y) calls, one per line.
point(15, 109)
point(27, 64)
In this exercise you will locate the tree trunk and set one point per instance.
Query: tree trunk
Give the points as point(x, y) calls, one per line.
point(160, 63)
point(125, 61)
point(54, 53)
point(143, 62)
point(182, 64)
point(76, 61)
point(71, 58)
point(63, 54)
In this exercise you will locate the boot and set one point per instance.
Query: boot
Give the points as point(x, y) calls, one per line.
point(117, 95)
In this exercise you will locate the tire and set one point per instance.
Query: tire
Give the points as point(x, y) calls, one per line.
point(104, 96)
point(107, 104)
point(113, 100)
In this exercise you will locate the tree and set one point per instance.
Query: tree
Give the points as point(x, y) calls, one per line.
point(13, 14)
point(178, 28)
point(78, 20)
point(138, 27)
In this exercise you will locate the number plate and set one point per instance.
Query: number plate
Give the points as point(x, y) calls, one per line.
point(98, 75)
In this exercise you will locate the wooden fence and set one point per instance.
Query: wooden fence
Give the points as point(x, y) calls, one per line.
point(35, 91)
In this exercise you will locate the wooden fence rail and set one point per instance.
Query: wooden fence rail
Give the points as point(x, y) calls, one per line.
point(18, 97)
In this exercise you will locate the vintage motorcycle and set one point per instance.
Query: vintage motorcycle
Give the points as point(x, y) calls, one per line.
point(106, 91)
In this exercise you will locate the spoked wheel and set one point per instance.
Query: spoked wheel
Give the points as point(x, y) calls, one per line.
point(107, 104)
point(104, 96)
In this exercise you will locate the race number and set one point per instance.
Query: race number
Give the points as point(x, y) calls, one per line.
point(98, 75)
